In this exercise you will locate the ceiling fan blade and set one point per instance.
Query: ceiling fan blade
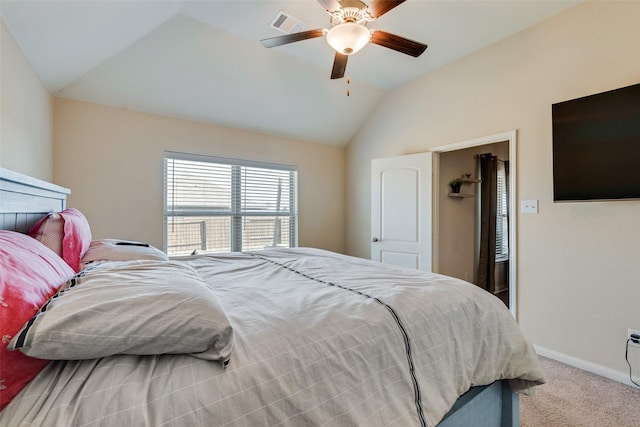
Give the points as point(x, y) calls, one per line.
point(330, 5)
point(339, 65)
point(400, 44)
point(291, 38)
point(377, 8)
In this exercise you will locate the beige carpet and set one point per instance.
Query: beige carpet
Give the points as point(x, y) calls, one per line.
point(576, 398)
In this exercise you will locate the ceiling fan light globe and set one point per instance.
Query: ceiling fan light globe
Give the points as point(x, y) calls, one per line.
point(348, 38)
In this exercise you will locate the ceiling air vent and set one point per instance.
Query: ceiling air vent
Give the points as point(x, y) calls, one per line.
point(287, 24)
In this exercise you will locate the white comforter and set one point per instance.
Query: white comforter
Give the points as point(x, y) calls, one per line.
point(319, 339)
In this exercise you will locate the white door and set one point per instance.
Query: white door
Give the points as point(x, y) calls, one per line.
point(401, 210)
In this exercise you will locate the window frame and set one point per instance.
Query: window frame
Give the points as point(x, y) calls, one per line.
point(235, 214)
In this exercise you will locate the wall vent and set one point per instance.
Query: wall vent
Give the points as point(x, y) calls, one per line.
point(287, 24)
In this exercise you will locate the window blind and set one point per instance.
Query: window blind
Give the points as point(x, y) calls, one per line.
point(215, 204)
point(502, 214)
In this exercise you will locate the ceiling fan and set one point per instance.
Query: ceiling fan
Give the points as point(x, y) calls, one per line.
point(349, 32)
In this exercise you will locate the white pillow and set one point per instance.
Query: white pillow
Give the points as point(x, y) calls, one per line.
point(133, 307)
point(121, 250)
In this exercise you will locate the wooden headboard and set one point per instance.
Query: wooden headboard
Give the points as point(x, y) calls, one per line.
point(24, 200)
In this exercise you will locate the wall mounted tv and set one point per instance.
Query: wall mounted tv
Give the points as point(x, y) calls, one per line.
point(596, 146)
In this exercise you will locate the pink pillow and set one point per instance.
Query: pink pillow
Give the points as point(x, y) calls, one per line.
point(67, 233)
point(30, 273)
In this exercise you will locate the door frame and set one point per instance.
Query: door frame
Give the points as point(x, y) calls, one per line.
point(509, 136)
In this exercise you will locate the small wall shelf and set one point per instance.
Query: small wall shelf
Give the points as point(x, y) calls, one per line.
point(466, 180)
point(459, 195)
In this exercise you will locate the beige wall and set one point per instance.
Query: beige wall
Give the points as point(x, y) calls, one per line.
point(112, 160)
point(26, 113)
point(577, 262)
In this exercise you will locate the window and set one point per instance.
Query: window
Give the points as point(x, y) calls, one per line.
point(213, 204)
point(502, 213)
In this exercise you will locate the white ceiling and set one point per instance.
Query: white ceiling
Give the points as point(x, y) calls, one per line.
point(203, 60)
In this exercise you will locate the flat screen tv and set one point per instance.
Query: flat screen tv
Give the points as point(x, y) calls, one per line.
point(596, 146)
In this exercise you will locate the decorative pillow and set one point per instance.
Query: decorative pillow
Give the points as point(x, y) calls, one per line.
point(130, 307)
point(67, 233)
point(121, 250)
point(50, 232)
point(30, 273)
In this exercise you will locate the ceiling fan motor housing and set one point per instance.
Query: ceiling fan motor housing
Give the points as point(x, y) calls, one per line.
point(354, 11)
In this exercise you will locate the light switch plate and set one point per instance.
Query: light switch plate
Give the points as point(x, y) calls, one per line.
point(529, 206)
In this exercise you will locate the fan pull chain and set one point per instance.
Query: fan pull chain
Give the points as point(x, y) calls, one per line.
point(348, 83)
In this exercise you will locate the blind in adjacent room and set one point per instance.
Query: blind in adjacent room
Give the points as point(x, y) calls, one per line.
point(214, 204)
point(502, 213)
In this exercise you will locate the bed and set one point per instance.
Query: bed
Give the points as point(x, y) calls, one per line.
point(298, 337)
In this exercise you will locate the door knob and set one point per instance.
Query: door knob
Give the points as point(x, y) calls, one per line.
point(375, 239)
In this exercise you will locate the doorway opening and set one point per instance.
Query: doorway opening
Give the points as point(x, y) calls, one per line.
point(457, 233)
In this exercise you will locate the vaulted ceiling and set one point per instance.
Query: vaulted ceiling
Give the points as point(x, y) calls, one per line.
point(203, 60)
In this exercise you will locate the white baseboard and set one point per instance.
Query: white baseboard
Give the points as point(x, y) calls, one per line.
point(585, 365)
